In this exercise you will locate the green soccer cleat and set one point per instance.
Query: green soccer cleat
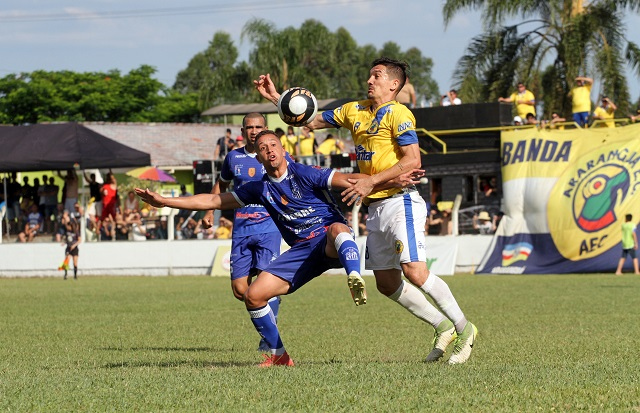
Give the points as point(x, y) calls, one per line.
point(357, 288)
point(445, 333)
point(464, 344)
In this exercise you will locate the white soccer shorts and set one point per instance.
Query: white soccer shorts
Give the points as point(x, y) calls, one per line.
point(396, 232)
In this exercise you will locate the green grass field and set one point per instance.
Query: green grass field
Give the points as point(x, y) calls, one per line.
point(546, 343)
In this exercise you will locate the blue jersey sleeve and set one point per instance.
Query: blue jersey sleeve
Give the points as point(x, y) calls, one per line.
point(249, 193)
point(226, 174)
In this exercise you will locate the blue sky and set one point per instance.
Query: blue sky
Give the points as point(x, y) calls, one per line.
point(74, 40)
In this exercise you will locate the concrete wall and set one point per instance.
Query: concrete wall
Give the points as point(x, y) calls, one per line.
point(162, 258)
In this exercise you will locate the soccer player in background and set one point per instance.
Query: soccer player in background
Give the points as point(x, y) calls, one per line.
point(383, 132)
point(255, 238)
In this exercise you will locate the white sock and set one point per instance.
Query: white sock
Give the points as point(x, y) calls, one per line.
point(439, 291)
point(413, 300)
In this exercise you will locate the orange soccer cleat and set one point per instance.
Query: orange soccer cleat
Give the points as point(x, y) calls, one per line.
point(273, 360)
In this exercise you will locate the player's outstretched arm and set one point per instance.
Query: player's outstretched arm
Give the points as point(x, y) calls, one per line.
point(218, 188)
point(201, 202)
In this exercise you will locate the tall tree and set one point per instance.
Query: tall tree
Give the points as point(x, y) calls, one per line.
point(330, 64)
point(576, 39)
point(213, 74)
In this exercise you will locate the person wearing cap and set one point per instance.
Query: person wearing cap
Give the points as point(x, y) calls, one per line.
point(239, 142)
point(517, 121)
point(482, 223)
point(581, 100)
point(451, 98)
point(523, 99)
point(606, 111)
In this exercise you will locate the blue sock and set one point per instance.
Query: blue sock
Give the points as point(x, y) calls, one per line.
point(348, 252)
point(274, 303)
point(265, 324)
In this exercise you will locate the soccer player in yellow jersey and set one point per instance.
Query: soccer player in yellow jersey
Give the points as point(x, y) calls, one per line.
point(383, 131)
point(581, 100)
point(523, 99)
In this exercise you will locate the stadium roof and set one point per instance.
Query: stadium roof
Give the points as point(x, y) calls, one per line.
point(243, 109)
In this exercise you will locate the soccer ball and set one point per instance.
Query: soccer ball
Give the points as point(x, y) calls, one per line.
point(297, 106)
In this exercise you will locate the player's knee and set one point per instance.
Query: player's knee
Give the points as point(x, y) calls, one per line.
point(336, 228)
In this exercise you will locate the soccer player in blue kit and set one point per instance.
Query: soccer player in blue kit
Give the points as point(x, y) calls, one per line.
point(383, 132)
point(255, 239)
point(298, 199)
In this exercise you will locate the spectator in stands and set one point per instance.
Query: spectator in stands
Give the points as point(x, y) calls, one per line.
point(138, 228)
point(224, 229)
point(41, 194)
point(555, 118)
point(50, 203)
point(531, 119)
point(523, 99)
point(95, 193)
point(440, 222)
point(581, 100)
point(107, 228)
point(483, 223)
point(407, 95)
point(109, 197)
point(131, 203)
point(14, 191)
point(223, 146)
point(636, 117)
point(308, 145)
point(290, 142)
point(451, 98)
point(70, 188)
point(517, 121)
point(34, 221)
point(62, 216)
point(239, 142)
point(161, 231)
point(122, 227)
point(605, 112)
point(330, 146)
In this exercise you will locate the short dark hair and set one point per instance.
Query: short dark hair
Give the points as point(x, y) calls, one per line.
point(264, 133)
point(397, 68)
point(252, 115)
point(228, 130)
point(453, 91)
point(628, 217)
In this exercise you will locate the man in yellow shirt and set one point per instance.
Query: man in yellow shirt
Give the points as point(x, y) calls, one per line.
point(605, 112)
point(524, 100)
point(307, 144)
point(581, 100)
point(330, 146)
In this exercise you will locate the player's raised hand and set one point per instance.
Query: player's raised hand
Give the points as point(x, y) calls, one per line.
point(150, 197)
point(267, 89)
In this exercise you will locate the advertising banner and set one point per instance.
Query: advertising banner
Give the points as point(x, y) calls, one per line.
point(566, 194)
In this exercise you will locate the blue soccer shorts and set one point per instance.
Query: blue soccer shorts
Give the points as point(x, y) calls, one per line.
point(303, 262)
point(253, 253)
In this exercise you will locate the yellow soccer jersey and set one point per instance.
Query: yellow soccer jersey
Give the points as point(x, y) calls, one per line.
point(377, 135)
point(605, 114)
point(306, 144)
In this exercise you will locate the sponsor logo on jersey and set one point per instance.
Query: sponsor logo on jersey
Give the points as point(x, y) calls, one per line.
point(362, 154)
point(252, 172)
point(399, 247)
point(373, 128)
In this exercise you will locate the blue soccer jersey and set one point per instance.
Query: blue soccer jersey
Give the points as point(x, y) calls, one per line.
point(242, 167)
point(300, 201)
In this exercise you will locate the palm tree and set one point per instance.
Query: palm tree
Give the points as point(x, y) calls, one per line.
point(557, 41)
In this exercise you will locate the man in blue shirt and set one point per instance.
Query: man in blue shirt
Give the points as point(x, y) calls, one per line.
point(256, 239)
point(298, 199)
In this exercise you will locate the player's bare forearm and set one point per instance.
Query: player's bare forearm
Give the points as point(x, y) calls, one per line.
point(318, 123)
point(201, 202)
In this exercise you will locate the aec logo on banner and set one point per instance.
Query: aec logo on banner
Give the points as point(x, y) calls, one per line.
point(600, 189)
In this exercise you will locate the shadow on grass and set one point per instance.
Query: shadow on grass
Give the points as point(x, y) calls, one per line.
point(173, 364)
point(192, 349)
